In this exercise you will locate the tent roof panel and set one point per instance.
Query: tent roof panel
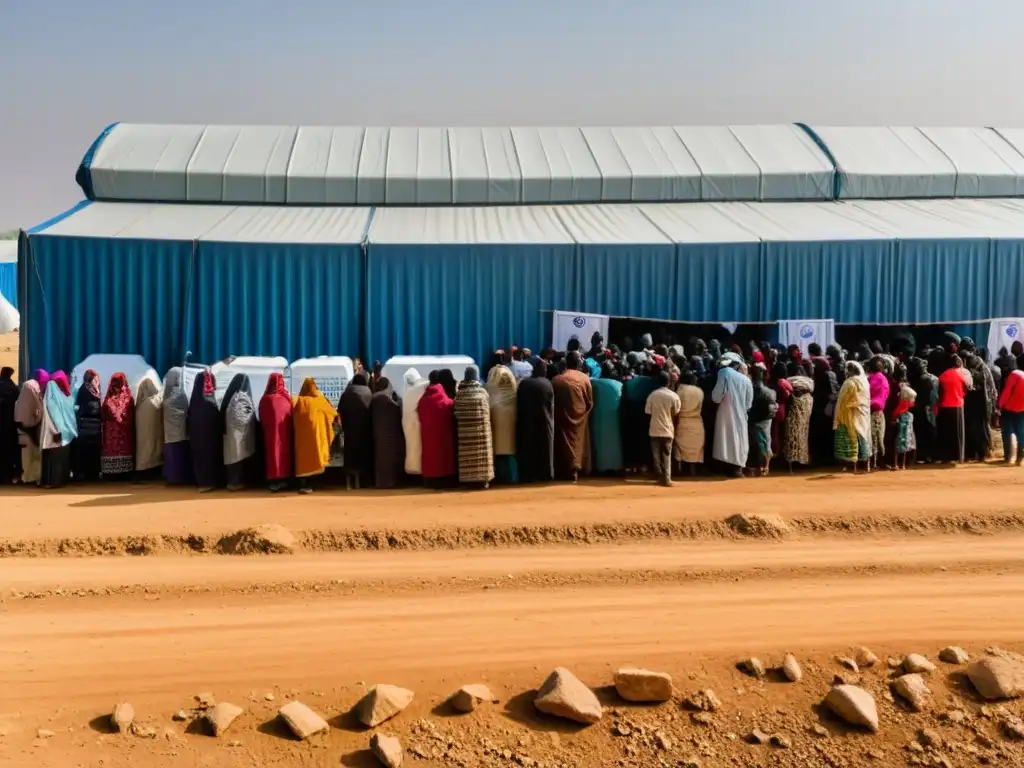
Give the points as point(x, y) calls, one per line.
point(504, 225)
point(792, 166)
point(888, 163)
point(986, 164)
point(609, 225)
point(728, 172)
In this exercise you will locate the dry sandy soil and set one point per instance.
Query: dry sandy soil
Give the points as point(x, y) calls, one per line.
point(123, 593)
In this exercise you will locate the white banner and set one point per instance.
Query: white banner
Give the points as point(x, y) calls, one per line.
point(574, 325)
point(1003, 332)
point(803, 333)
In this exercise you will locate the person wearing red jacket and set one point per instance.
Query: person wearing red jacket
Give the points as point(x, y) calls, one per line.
point(436, 410)
point(950, 413)
point(1011, 416)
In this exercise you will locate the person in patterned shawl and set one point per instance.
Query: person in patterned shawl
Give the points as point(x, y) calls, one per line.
point(473, 416)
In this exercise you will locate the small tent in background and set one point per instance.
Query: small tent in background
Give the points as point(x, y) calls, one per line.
point(10, 320)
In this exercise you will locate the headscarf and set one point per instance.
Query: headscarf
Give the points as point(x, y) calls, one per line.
point(149, 426)
point(118, 402)
point(540, 369)
point(43, 378)
point(907, 397)
point(91, 383)
point(412, 378)
point(58, 413)
point(62, 382)
point(175, 406)
point(28, 409)
point(238, 416)
point(447, 381)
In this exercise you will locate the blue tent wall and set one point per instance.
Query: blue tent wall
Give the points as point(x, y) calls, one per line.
point(1007, 278)
point(9, 282)
point(627, 280)
point(87, 295)
point(276, 299)
point(848, 281)
point(464, 299)
point(716, 282)
point(942, 280)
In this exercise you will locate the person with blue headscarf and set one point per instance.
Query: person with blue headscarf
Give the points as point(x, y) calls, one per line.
point(605, 421)
point(735, 395)
point(59, 430)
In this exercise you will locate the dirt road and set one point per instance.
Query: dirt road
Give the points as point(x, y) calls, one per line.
point(78, 634)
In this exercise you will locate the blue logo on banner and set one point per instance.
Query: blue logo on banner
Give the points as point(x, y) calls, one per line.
point(1012, 330)
point(806, 332)
point(579, 322)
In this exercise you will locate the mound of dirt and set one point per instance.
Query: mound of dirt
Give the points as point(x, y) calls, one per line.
point(759, 526)
point(270, 539)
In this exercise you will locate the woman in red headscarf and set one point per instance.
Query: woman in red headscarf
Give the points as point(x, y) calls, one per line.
point(117, 453)
point(437, 429)
point(276, 423)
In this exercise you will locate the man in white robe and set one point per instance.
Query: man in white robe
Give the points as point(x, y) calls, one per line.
point(734, 394)
point(415, 386)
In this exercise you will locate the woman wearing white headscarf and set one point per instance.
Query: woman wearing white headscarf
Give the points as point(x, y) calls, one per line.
point(149, 428)
point(415, 386)
point(501, 389)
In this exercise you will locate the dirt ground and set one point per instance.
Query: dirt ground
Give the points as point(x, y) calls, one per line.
point(122, 593)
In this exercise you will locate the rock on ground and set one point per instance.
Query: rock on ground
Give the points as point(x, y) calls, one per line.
point(761, 526)
point(912, 689)
point(302, 720)
point(388, 750)
point(643, 685)
point(791, 668)
point(382, 703)
point(122, 716)
point(270, 539)
point(915, 663)
point(1013, 727)
point(222, 716)
point(204, 700)
point(469, 697)
point(565, 695)
point(864, 657)
point(752, 667)
point(854, 705)
point(953, 654)
point(997, 677)
point(757, 736)
point(848, 663)
point(703, 701)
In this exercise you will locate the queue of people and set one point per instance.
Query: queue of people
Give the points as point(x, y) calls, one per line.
point(559, 415)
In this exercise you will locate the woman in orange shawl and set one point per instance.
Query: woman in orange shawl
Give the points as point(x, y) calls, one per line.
point(313, 424)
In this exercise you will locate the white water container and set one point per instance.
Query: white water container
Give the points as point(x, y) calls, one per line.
point(258, 369)
point(134, 367)
point(395, 368)
point(332, 373)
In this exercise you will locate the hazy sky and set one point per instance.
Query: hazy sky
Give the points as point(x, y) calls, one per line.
point(68, 68)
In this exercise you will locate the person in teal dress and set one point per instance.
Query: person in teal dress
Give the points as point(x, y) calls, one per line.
point(605, 422)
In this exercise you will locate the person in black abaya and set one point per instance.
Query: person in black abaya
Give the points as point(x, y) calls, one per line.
point(979, 403)
point(10, 452)
point(206, 433)
point(357, 427)
point(926, 385)
point(535, 426)
point(85, 451)
point(388, 436)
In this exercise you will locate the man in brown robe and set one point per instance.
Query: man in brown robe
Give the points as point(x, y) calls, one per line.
point(574, 399)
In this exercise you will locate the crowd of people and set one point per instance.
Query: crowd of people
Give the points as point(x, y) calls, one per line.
point(652, 410)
